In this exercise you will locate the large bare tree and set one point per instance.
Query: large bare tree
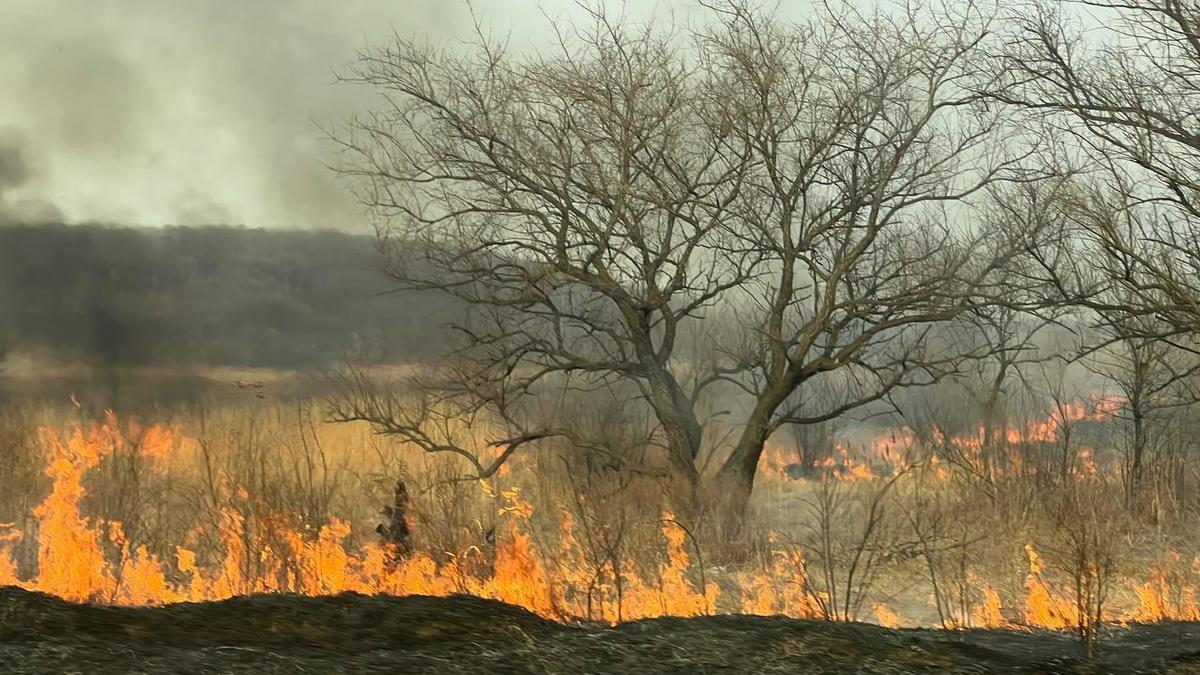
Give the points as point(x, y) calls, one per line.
point(1118, 81)
point(1154, 379)
point(573, 200)
point(868, 144)
point(602, 210)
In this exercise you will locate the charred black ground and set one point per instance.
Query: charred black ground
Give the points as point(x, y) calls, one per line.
point(418, 634)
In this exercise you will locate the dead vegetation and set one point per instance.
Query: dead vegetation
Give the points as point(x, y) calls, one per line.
point(239, 500)
point(669, 260)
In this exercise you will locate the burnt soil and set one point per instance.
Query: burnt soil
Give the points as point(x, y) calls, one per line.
point(359, 634)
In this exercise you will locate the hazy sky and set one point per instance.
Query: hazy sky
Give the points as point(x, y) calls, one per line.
point(154, 112)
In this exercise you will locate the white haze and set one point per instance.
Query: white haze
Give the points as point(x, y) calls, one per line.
point(152, 112)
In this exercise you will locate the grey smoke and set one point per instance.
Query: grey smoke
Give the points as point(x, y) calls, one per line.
point(16, 170)
point(14, 166)
point(148, 112)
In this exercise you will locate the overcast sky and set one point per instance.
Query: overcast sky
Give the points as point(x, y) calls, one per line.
point(151, 112)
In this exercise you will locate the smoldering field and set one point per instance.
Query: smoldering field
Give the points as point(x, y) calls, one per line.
point(141, 472)
point(215, 478)
point(248, 489)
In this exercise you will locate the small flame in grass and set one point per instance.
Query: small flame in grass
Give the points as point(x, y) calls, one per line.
point(989, 613)
point(778, 462)
point(1041, 608)
point(1170, 593)
point(887, 446)
point(1097, 408)
point(780, 591)
point(678, 596)
point(1086, 464)
point(885, 617)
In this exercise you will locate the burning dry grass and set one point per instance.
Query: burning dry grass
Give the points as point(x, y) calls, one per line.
point(267, 499)
point(267, 514)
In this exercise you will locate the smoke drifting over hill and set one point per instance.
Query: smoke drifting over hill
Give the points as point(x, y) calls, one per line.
point(214, 296)
point(153, 113)
point(15, 172)
point(139, 112)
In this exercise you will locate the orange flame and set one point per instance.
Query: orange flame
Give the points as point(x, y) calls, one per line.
point(1169, 594)
point(989, 614)
point(1041, 608)
point(84, 559)
point(87, 559)
point(781, 591)
point(885, 617)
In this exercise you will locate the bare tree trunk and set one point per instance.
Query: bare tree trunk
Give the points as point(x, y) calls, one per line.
point(683, 434)
point(1139, 450)
point(995, 425)
point(734, 482)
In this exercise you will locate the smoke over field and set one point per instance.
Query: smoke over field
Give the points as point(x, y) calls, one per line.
point(858, 339)
point(137, 318)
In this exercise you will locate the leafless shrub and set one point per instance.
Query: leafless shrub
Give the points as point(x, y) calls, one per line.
point(847, 535)
point(946, 538)
point(1090, 530)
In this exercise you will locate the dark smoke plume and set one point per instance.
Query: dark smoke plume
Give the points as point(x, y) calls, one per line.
point(15, 172)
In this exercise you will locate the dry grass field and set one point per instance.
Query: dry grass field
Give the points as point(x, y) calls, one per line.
point(255, 496)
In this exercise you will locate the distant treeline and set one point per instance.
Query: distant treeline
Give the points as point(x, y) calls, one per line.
point(206, 295)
